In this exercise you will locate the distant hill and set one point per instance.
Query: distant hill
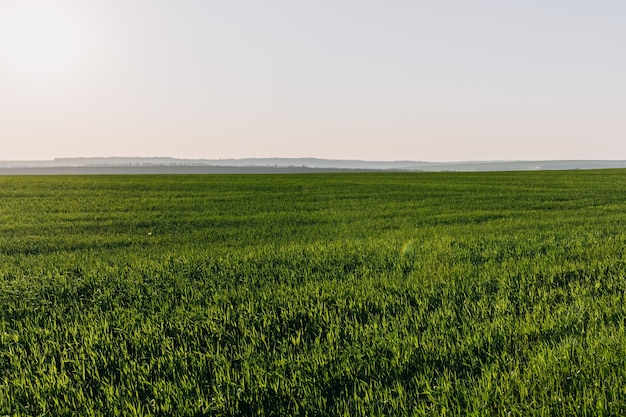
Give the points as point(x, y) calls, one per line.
point(130, 165)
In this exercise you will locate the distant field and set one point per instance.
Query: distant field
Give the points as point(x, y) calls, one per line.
point(321, 294)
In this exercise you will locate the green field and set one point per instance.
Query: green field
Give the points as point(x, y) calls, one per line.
point(321, 295)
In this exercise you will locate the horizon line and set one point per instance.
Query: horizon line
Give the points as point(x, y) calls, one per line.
point(64, 158)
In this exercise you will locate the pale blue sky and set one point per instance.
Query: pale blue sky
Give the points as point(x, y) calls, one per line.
point(378, 80)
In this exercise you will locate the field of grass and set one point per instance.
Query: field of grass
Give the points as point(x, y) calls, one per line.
point(322, 295)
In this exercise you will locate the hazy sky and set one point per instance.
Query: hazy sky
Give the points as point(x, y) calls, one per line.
point(434, 80)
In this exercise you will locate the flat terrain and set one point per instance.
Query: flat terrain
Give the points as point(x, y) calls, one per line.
point(318, 294)
point(124, 166)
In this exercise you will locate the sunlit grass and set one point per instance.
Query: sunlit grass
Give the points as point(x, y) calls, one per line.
point(349, 294)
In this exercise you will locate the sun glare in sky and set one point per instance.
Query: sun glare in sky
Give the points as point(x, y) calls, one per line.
point(38, 39)
point(352, 79)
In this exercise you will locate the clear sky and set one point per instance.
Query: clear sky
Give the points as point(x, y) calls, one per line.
point(432, 80)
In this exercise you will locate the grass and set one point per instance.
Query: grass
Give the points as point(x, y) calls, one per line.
point(320, 295)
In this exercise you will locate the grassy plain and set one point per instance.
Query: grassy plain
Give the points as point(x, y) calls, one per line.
point(335, 294)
